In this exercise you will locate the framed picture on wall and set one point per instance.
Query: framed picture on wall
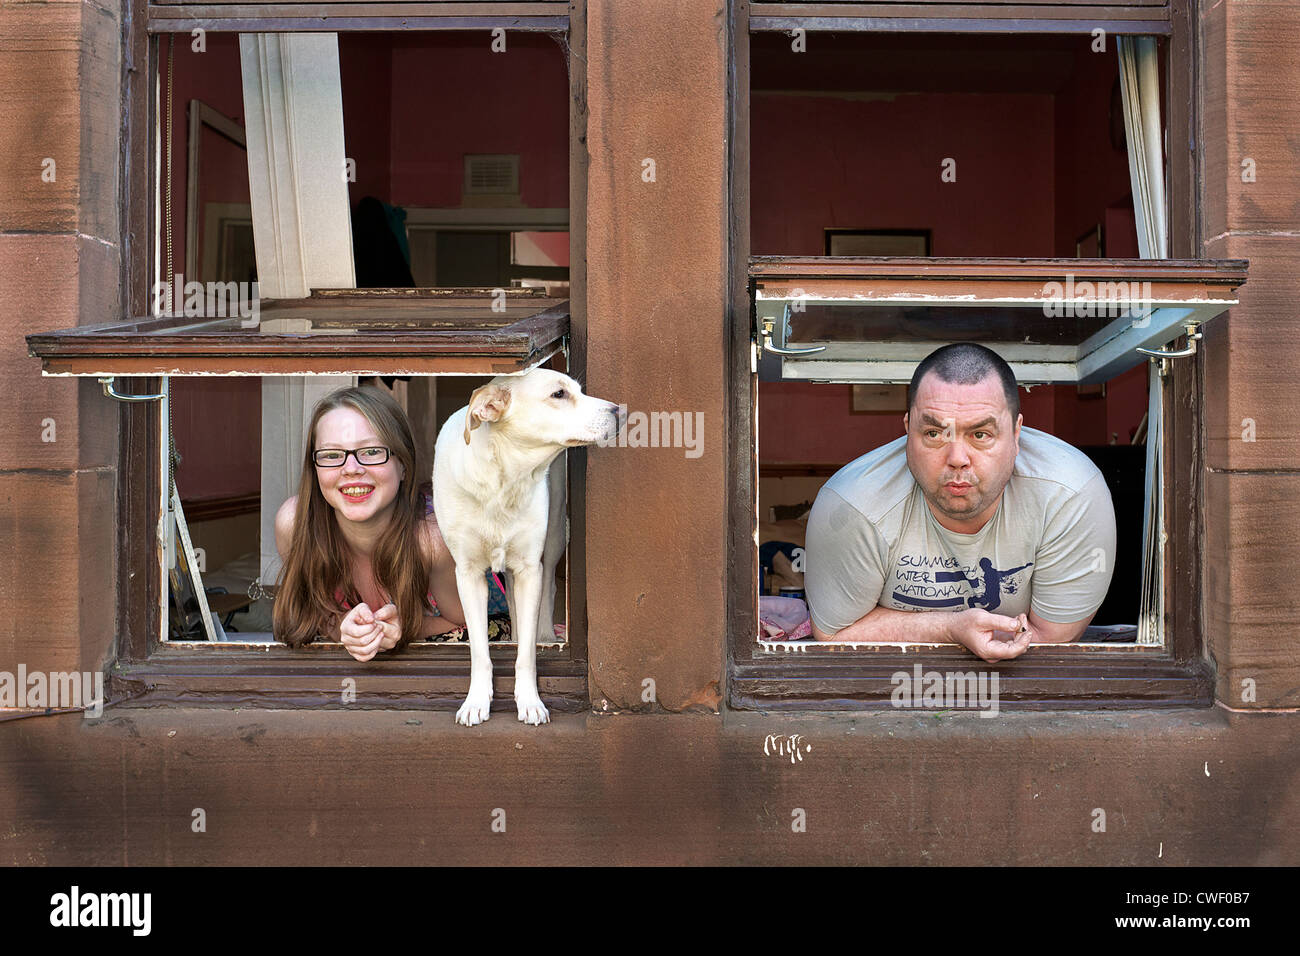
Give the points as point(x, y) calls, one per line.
point(869, 399)
point(877, 242)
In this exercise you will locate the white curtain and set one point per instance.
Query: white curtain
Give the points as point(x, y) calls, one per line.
point(302, 227)
point(1139, 77)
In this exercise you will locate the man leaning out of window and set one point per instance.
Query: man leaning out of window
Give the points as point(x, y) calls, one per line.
point(969, 529)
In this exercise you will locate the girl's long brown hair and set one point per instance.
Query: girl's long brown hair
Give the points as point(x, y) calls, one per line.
point(316, 567)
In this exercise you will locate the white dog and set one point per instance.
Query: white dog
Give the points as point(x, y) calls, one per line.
point(499, 494)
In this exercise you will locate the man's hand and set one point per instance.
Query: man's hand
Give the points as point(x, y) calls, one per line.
point(365, 633)
point(990, 637)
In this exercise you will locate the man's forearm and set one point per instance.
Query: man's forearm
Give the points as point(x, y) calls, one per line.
point(1048, 632)
point(888, 624)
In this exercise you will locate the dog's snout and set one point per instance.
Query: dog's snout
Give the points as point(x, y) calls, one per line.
point(620, 415)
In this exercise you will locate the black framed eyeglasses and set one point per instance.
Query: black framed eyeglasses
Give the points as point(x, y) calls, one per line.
point(336, 457)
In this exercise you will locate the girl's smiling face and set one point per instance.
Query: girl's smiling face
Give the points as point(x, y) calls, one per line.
point(357, 493)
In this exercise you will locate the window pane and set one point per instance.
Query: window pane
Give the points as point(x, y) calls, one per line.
point(987, 145)
point(240, 444)
point(932, 150)
point(450, 149)
point(455, 148)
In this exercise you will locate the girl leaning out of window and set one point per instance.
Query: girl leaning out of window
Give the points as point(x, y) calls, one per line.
point(363, 561)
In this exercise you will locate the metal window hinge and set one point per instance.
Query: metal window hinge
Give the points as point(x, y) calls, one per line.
point(111, 392)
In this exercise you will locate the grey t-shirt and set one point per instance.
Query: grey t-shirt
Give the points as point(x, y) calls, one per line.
point(872, 540)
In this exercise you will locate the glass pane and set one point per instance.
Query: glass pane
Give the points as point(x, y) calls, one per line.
point(452, 150)
point(212, 225)
point(985, 145)
point(488, 332)
point(241, 447)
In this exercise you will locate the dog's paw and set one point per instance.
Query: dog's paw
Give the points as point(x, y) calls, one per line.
point(475, 709)
point(532, 710)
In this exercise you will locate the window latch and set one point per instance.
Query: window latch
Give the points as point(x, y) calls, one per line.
point(111, 392)
point(1192, 335)
point(767, 338)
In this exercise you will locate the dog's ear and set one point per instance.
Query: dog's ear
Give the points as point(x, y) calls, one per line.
point(487, 404)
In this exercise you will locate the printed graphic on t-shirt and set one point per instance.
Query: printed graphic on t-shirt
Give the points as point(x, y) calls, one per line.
point(924, 581)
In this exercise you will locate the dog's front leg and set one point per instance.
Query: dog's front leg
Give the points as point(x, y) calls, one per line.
point(526, 588)
point(473, 589)
point(556, 540)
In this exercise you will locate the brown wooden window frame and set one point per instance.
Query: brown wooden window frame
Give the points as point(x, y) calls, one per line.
point(430, 676)
point(1047, 676)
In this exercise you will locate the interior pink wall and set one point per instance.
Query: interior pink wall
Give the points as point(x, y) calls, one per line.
point(553, 245)
point(821, 162)
point(450, 95)
point(443, 96)
point(214, 78)
point(217, 424)
point(1091, 175)
point(1033, 173)
point(365, 67)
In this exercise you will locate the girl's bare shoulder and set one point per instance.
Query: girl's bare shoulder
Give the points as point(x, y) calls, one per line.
point(286, 512)
point(284, 519)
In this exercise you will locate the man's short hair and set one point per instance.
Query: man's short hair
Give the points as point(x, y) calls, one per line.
point(965, 363)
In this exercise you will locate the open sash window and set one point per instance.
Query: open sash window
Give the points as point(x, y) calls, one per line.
point(330, 332)
point(321, 219)
point(1076, 322)
point(870, 321)
point(909, 184)
point(316, 193)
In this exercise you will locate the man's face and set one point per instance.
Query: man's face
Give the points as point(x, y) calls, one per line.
point(961, 449)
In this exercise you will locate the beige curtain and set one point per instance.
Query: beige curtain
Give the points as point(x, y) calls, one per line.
point(302, 227)
point(1139, 77)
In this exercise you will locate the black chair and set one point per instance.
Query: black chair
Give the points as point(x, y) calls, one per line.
point(1124, 468)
